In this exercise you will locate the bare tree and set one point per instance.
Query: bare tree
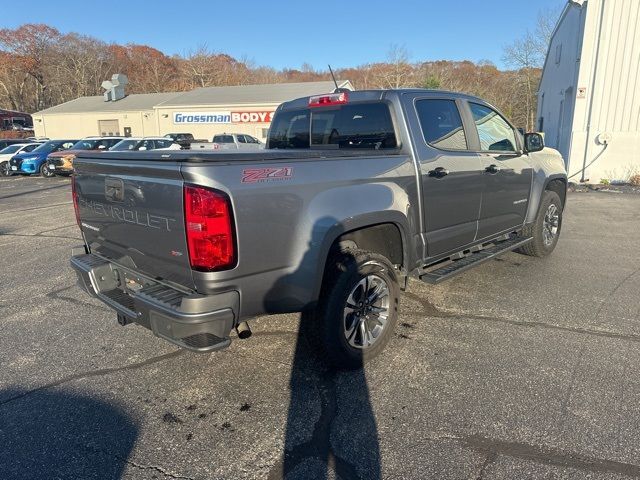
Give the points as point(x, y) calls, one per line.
point(396, 72)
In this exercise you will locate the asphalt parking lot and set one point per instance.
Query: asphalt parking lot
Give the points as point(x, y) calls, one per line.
point(520, 369)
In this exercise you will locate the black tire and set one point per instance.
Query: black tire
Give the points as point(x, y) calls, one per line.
point(45, 171)
point(325, 327)
point(539, 247)
point(5, 169)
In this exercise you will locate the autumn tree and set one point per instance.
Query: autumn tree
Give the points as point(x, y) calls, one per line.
point(40, 67)
point(526, 56)
point(28, 48)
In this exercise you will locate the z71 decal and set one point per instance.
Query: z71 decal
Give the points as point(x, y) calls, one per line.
point(257, 175)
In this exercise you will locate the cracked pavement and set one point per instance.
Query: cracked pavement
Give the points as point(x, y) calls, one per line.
point(521, 368)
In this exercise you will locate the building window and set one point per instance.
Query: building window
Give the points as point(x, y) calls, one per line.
point(558, 53)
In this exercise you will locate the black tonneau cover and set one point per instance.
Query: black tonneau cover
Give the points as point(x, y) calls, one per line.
point(233, 157)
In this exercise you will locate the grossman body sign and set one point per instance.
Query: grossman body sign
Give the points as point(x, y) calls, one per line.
point(222, 117)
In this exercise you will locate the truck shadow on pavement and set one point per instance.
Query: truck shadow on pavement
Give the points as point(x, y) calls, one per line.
point(340, 442)
point(59, 434)
point(340, 438)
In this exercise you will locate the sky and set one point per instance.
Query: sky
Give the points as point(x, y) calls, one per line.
point(286, 34)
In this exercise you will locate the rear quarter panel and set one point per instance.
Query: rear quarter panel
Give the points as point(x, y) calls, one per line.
point(286, 225)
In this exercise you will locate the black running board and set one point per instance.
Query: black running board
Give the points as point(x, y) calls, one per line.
point(458, 266)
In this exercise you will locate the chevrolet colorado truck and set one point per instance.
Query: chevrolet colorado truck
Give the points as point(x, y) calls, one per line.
point(355, 192)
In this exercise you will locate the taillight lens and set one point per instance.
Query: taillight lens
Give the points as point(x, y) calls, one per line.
point(329, 99)
point(209, 226)
point(74, 195)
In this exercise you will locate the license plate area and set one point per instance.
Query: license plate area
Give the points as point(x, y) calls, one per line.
point(132, 282)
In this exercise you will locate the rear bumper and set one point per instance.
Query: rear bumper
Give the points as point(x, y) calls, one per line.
point(200, 323)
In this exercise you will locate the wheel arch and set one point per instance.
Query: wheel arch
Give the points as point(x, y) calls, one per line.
point(385, 234)
point(558, 185)
point(554, 182)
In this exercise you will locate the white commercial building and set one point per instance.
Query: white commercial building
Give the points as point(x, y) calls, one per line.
point(589, 96)
point(204, 112)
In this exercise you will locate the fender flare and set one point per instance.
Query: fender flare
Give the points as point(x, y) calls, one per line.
point(355, 223)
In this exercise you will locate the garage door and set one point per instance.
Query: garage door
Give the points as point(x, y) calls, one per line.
point(108, 127)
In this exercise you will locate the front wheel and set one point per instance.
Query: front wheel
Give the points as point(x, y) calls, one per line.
point(45, 171)
point(358, 309)
point(545, 230)
point(5, 169)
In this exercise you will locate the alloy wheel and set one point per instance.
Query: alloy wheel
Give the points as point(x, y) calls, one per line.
point(366, 311)
point(550, 225)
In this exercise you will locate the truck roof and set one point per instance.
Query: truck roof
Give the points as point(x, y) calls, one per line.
point(379, 94)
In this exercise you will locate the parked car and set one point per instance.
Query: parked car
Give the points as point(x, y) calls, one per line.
point(237, 141)
point(355, 193)
point(179, 137)
point(133, 144)
point(10, 151)
point(5, 142)
point(61, 163)
point(229, 141)
point(35, 161)
point(184, 139)
point(20, 128)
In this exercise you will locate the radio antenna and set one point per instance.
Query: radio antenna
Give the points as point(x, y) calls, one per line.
point(334, 79)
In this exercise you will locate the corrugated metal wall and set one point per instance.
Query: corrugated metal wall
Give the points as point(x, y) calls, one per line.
point(616, 105)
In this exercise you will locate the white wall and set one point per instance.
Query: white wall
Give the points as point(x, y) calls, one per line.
point(557, 92)
point(206, 131)
point(604, 98)
point(79, 125)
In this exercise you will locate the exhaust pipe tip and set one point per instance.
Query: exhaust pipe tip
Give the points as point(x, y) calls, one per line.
point(243, 330)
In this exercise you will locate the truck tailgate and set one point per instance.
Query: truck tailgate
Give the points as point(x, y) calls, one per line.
point(133, 214)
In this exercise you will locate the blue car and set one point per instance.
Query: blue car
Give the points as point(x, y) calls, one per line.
point(35, 160)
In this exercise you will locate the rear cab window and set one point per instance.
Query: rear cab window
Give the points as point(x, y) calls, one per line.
point(223, 139)
point(441, 124)
point(347, 126)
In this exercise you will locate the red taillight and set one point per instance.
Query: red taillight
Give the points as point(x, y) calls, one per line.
point(209, 225)
point(329, 99)
point(74, 196)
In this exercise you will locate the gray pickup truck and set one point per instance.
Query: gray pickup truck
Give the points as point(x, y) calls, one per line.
point(354, 193)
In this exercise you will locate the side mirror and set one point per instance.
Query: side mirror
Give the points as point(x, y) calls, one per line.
point(533, 142)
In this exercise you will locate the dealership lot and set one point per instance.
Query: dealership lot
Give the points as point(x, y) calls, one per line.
point(521, 368)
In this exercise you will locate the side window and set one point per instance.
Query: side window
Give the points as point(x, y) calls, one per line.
point(441, 124)
point(241, 139)
point(496, 135)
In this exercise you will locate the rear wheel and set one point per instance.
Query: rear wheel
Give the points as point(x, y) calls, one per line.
point(546, 228)
point(45, 171)
point(358, 309)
